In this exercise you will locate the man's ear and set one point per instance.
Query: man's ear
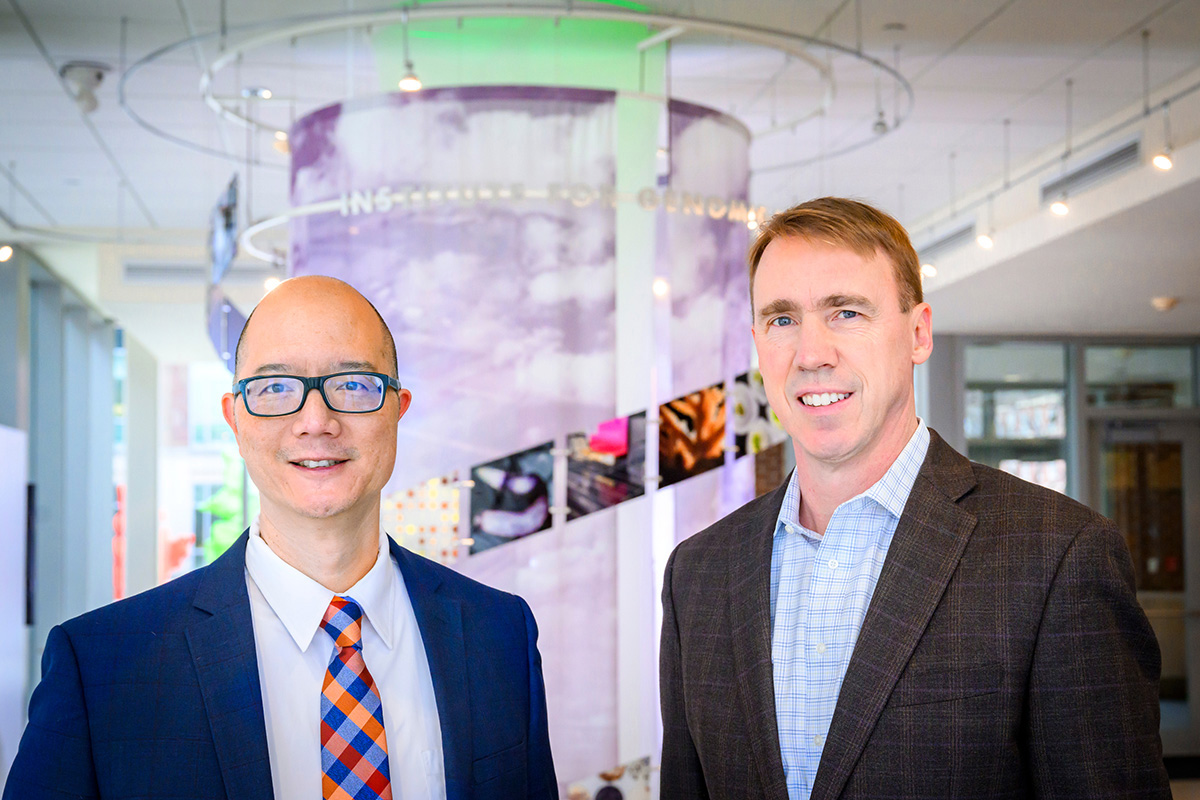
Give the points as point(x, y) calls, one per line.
point(228, 407)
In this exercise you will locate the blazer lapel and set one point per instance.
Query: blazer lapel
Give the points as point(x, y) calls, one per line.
point(925, 550)
point(749, 597)
point(222, 647)
point(440, 621)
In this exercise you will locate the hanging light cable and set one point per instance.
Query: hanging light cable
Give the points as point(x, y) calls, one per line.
point(410, 82)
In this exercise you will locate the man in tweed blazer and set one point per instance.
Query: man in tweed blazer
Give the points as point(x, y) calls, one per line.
point(895, 621)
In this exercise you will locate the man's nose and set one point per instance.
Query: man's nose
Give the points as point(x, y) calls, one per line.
point(815, 347)
point(314, 416)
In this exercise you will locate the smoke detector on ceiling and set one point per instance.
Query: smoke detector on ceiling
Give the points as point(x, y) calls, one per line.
point(82, 78)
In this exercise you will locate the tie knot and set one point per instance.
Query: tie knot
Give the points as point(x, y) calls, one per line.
point(343, 622)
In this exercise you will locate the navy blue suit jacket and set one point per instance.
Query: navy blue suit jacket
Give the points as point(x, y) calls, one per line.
point(158, 695)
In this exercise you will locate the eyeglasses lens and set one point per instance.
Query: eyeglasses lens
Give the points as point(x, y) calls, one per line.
point(354, 392)
point(274, 396)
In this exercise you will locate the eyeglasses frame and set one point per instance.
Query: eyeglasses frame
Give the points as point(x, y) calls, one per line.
point(316, 382)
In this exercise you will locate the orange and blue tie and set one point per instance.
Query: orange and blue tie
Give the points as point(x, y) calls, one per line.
point(354, 762)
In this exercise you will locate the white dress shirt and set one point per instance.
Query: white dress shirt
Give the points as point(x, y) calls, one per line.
point(293, 654)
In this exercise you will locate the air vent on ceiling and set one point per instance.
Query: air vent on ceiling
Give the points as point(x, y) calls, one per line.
point(1099, 169)
point(147, 273)
point(939, 247)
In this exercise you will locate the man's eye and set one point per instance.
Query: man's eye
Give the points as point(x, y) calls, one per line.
point(781, 322)
point(846, 313)
point(274, 388)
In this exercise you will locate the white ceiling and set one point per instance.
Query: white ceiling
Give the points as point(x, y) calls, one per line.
point(972, 64)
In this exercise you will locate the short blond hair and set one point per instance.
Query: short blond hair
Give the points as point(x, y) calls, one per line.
point(849, 224)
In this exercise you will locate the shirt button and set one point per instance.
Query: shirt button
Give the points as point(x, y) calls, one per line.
point(818, 740)
point(821, 648)
point(833, 563)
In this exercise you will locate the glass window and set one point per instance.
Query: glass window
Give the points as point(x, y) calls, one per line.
point(1139, 377)
point(1015, 410)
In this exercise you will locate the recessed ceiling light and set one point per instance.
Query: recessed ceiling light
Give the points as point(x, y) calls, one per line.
point(928, 271)
point(1060, 208)
point(984, 241)
point(6, 252)
point(270, 283)
point(660, 287)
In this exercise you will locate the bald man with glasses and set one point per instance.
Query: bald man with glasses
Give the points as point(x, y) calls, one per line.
point(315, 655)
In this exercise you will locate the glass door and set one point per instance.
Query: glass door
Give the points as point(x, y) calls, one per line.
point(1144, 478)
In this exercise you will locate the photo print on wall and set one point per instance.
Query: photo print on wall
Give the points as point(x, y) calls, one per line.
point(424, 518)
point(607, 466)
point(691, 434)
point(511, 497)
point(755, 426)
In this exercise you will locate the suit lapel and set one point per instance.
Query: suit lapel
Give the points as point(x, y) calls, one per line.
point(222, 647)
point(439, 619)
point(924, 553)
point(749, 599)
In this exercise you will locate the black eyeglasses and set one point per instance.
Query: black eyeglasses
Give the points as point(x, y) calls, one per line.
point(344, 392)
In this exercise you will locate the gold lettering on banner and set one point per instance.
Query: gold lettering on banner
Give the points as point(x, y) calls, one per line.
point(361, 202)
point(693, 204)
point(582, 195)
point(384, 199)
point(716, 207)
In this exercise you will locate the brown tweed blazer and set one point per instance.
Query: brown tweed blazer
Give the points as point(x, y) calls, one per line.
point(1003, 654)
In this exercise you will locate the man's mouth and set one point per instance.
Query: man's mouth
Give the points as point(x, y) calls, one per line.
point(823, 398)
point(318, 464)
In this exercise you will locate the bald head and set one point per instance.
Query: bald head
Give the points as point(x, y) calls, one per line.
point(311, 300)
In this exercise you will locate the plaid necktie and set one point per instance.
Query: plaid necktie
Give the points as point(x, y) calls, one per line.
point(354, 762)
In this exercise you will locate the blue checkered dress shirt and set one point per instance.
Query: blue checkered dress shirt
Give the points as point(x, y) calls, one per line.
point(820, 589)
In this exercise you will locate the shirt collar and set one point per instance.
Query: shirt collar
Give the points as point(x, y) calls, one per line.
point(300, 602)
point(891, 491)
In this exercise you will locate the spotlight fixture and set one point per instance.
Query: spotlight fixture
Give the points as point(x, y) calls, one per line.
point(985, 241)
point(270, 283)
point(1163, 159)
point(928, 271)
point(257, 92)
point(281, 136)
point(6, 252)
point(410, 82)
point(1059, 207)
point(660, 287)
point(880, 127)
point(82, 79)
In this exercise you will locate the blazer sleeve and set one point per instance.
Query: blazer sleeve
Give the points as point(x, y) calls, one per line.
point(682, 774)
point(54, 759)
point(543, 785)
point(1093, 688)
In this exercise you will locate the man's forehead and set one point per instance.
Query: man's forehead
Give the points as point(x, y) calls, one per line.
point(304, 367)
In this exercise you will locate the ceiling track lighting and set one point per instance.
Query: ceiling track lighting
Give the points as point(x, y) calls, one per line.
point(1059, 207)
point(984, 239)
point(410, 82)
point(1163, 159)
